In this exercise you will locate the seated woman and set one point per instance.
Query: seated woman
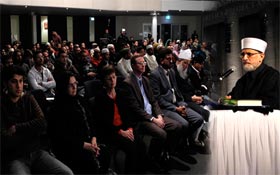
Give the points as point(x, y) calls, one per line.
point(71, 139)
point(112, 129)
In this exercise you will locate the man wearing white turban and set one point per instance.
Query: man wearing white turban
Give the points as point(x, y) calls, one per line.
point(261, 81)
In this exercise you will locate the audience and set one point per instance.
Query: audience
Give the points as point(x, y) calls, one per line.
point(123, 117)
point(63, 64)
point(170, 99)
point(124, 67)
point(40, 77)
point(22, 123)
point(141, 109)
point(197, 75)
point(112, 129)
point(151, 60)
point(188, 91)
point(73, 139)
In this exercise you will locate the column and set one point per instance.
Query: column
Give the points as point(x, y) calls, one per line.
point(15, 35)
point(154, 26)
point(232, 57)
point(34, 27)
point(69, 28)
point(269, 37)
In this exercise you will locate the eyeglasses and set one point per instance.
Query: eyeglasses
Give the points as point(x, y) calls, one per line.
point(73, 85)
point(242, 54)
point(142, 63)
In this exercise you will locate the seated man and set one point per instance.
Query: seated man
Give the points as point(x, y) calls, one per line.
point(197, 75)
point(40, 77)
point(261, 81)
point(150, 58)
point(170, 99)
point(188, 91)
point(22, 123)
point(123, 67)
point(140, 108)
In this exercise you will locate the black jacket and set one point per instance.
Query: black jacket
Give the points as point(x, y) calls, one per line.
point(263, 84)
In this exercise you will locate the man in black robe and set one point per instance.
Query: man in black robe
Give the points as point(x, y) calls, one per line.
point(261, 81)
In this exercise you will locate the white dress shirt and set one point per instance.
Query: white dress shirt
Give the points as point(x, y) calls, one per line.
point(41, 80)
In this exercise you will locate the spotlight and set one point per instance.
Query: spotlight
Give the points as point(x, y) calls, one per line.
point(167, 17)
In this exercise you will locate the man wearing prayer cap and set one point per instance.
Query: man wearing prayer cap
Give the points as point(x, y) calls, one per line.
point(260, 80)
point(151, 60)
point(105, 53)
point(187, 89)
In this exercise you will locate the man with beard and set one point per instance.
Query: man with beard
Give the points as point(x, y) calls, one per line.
point(124, 67)
point(261, 81)
point(170, 99)
point(40, 77)
point(151, 60)
point(22, 126)
point(184, 84)
point(194, 101)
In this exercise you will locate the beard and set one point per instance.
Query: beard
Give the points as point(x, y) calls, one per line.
point(248, 67)
point(183, 73)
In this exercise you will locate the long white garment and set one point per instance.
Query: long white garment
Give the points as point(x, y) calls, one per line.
point(151, 61)
point(244, 142)
point(124, 67)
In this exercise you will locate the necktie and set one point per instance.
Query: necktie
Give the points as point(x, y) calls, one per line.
point(168, 74)
point(147, 105)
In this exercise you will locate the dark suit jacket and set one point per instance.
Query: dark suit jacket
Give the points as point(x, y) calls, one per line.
point(197, 81)
point(163, 90)
point(263, 84)
point(185, 86)
point(132, 103)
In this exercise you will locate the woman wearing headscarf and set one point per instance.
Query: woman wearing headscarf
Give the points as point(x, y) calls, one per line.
point(73, 141)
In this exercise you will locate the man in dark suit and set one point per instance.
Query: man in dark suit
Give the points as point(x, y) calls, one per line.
point(170, 99)
point(142, 110)
point(198, 76)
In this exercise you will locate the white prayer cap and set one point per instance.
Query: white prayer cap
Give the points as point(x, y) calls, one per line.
point(110, 46)
point(253, 43)
point(149, 47)
point(105, 50)
point(185, 54)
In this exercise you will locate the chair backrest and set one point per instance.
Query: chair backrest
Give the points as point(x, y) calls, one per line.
point(92, 87)
point(41, 99)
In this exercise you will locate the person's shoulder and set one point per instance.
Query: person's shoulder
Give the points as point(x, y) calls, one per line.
point(27, 96)
point(32, 70)
point(271, 69)
point(155, 71)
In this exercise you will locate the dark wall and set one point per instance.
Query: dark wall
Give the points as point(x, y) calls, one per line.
point(5, 30)
point(252, 26)
point(102, 23)
point(81, 29)
point(59, 24)
point(38, 21)
point(25, 30)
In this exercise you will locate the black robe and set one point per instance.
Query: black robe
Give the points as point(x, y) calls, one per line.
point(263, 84)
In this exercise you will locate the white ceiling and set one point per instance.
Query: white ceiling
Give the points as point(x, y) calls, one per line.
point(119, 5)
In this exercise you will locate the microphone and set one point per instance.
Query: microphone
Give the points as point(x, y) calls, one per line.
point(227, 73)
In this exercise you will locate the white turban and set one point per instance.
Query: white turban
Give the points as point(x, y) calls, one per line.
point(253, 43)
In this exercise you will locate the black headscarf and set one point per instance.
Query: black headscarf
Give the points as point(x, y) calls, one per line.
point(62, 86)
